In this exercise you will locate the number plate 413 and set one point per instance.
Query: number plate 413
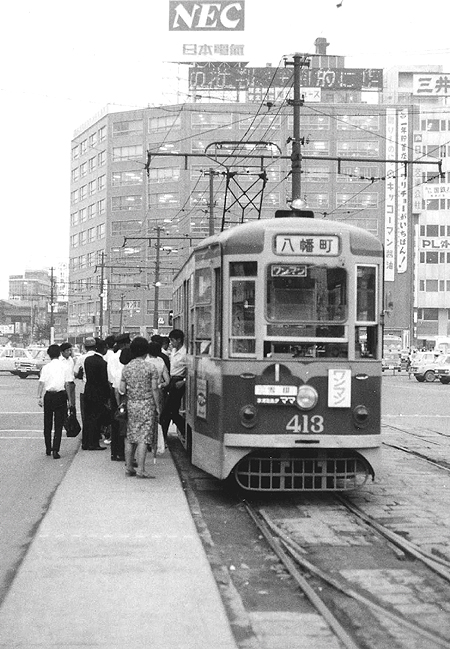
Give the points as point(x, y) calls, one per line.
point(305, 424)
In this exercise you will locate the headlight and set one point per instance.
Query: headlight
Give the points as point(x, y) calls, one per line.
point(361, 416)
point(248, 416)
point(307, 397)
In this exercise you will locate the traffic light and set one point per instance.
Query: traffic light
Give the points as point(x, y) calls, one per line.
point(170, 318)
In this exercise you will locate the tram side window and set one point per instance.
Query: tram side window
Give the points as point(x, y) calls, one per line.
point(242, 316)
point(203, 310)
point(366, 342)
point(366, 283)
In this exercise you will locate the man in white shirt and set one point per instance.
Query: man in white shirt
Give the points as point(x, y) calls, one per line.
point(68, 360)
point(176, 389)
point(52, 395)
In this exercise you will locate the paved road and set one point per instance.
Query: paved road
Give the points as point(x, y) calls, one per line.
point(28, 477)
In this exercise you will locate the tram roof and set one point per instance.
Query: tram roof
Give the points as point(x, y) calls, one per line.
point(248, 238)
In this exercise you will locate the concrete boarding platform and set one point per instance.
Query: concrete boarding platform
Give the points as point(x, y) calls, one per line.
point(116, 563)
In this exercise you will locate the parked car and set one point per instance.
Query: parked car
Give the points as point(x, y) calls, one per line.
point(424, 366)
point(443, 369)
point(10, 355)
point(31, 366)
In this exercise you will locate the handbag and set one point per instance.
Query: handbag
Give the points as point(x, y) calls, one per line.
point(71, 424)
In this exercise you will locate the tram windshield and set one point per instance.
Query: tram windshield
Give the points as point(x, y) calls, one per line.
point(305, 293)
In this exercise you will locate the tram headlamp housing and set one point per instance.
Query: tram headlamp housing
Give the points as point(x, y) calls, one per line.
point(361, 416)
point(307, 397)
point(248, 415)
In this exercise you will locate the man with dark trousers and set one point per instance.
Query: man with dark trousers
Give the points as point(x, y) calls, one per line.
point(115, 366)
point(96, 396)
point(176, 389)
point(52, 394)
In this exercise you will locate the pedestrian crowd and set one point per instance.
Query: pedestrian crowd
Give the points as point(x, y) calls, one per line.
point(143, 380)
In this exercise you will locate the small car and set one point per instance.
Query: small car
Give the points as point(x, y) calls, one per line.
point(26, 367)
point(391, 361)
point(424, 366)
point(443, 369)
point(10, 355)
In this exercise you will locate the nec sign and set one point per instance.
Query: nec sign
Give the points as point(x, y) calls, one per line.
point(190, 16)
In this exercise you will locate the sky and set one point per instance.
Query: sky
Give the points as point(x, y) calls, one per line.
point(64, 62)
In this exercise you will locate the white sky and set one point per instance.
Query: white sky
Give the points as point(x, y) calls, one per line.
point(63, 62)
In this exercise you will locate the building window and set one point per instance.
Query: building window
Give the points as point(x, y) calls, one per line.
point(442, 257)
point(75, 174)
point(92, 210)
point(271, 199)
point(74, 196)
point(430, 125)
point(266, 122)
point(74, 220)
point(441, 285)
point(367, 200)
point(164, 123)
point(101, 205)
point(83, 238)
point(311, 123)
point(431, 285)
point(126, 203)
point(83, 147)
point(92, 187)
point(101, 231)
point(82, 261)
point(101, 182)
point(164, 174)
point(164, 200)
point(318, 200)
point(316, 174)
point(125, 227)
point(92, 164)
point(83, 169)
point(93, 140)
point(127, 128)
point(102, 134)
point(428, 314)
point(198, 146)
point(121, 178)
point(317, 147)
point(357, 173)
point(169, 147)
point(355, 148)
point(127, 152)
point(91, 235)
point(82, 215)
point(431, 257)
point(74, 241)
point(363, 122)
point(83, 192)
point(101, 158)
point(431, 204)
point(75, 152)
point(211, 120)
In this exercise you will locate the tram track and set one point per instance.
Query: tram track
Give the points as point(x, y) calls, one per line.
point(442, 464)
point(293, 557)
point(321, 551)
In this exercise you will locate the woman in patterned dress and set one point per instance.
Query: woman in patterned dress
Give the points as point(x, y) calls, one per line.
point(140, 384)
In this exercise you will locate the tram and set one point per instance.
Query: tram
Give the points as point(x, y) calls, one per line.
point(282, 319)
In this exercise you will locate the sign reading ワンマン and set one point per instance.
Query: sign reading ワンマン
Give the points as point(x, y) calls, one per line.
point(202, 31)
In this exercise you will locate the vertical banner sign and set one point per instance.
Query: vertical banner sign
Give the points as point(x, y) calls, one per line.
point(402, 194)
point(390, 202)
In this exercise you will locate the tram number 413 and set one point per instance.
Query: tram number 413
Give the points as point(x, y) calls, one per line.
point(305, 424)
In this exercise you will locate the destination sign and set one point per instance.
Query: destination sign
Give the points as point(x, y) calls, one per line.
point(298, 244)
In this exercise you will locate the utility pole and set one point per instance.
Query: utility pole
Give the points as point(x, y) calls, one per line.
point(102, 280)
point(122, 297)
point(52, 306)
point(157, 283)
point(211, 201)
point(300, 60)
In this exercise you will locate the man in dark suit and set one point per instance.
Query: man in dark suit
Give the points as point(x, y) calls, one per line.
point(96, 396)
